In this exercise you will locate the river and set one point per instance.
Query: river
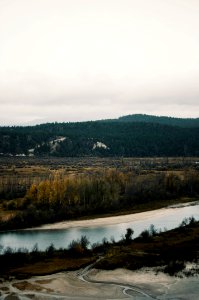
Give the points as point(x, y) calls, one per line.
point(61, 234)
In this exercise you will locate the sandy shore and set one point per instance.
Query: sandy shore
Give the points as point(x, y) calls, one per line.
point(100, 221)
point(114, 219)
point(146, 284)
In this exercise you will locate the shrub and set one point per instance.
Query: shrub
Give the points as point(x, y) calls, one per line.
point(174, 267)
point(50, 250)
point(152, 230)
point(128, 235)
point(76, 248)
point(84, 242)
point(145, 235)
point(188, 221)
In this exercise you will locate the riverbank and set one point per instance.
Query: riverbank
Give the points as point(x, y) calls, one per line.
point(129, 268)
point(116, 218)
point(171, 249)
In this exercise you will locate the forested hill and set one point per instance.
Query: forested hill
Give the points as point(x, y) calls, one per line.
point(188, 122)
point(100, 138)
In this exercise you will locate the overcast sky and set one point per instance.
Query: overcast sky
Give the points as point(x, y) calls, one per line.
point(73, 60)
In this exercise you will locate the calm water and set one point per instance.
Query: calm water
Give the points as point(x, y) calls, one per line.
point(163, 218)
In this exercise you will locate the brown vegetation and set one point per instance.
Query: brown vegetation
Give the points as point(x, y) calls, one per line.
point(103, 187)
point(49, 266)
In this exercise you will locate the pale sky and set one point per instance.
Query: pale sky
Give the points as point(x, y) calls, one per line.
point(74, 60)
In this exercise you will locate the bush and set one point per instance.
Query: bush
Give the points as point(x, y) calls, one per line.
point(188, 222)
point(174, 267)
point(50, 250)
point(76, 248)
point(84, 242)
point(145, 235)
point(152, 230)
point(128, 235)
point(79, 247)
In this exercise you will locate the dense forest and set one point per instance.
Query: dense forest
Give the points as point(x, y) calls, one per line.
point(181, 122)
point(64, 197)
point(130, 136)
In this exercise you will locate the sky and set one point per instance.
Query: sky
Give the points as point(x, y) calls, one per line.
point(77, 60)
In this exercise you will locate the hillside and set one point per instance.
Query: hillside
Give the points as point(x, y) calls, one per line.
point(182, 122)
point(122, 137)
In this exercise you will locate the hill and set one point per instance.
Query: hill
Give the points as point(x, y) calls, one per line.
point(182, 122)
point(122, 137)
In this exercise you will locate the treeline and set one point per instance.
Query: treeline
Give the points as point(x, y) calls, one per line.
point(51, 260)
point(69, 197)
point(128, 139)
point(181, 122)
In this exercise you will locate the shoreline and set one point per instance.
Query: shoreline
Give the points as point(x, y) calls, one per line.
point(92, 281)
point(110, 220)
point(137, 209)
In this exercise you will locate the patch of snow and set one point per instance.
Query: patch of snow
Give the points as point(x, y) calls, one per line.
point(6, 154)
point(31, 150)
point(54, 143)
point(100, 145)
point(57, 140)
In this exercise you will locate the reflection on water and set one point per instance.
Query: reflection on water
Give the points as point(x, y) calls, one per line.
point(163, 218)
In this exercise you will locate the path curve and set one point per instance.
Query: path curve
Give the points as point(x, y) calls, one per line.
point(82, 275)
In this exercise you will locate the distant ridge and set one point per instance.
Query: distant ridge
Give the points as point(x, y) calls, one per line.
point(130, 136)
point(172, 121)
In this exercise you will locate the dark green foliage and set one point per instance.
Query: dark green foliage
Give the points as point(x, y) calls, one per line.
point(50, 250)
point(152, 230)
point(128, 235)
point(128, 136)
point(181, 122)
point(84, 242)
point(145, 236)
point(188, 222)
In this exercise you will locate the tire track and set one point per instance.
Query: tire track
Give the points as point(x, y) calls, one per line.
point(83, 275)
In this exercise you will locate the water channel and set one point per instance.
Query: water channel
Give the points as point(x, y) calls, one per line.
point(61, 234)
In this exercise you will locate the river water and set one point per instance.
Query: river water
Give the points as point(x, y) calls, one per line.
point(61, 234)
